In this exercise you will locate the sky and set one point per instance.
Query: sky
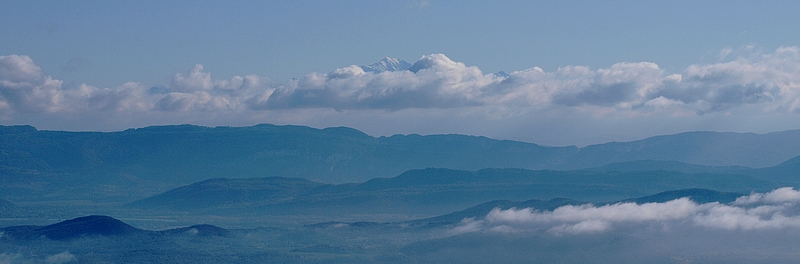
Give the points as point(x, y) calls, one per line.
point(579, 72)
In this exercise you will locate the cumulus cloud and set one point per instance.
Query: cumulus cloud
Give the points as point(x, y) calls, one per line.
point(24, 88)
point(773, 210)
point(196, 91)
point(767, 82)
point(19, 69)
point(777, 196)
point(435, 81)
point(768, 79)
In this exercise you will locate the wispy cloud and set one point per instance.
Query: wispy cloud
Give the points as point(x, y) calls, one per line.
point(63, 257)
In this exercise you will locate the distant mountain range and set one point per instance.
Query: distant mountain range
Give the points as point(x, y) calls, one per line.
point(434, 191)
point(137, 163)
point(184, 154)
point(297, 194)
point(105, 226)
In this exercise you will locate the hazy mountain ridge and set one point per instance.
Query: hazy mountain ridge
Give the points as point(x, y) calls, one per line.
point(481, 210)
point(703, 148)
point(233, 192)
point(434, 191)
point(101, 225)
point(653, 165)
point(335, 155)
point(785, 173)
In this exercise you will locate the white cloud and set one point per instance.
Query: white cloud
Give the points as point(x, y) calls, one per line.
point(760, 83)
point(582, 227)
point(777, 196)
point(196, 80)
point(773, 210)
point(24, 87)
point(467, 225)
point(435, 81)
point(18, 69)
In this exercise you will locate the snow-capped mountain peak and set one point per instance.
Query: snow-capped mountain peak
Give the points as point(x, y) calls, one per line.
point(387, 64)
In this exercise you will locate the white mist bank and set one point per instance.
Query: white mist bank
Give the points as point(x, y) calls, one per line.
point(776, 209)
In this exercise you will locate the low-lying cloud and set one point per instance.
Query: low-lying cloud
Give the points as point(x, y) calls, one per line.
point(773, 210)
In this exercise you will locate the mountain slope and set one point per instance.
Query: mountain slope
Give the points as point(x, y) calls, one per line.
point(703, 148)
point(481, 210)
point(667, 165)
point(101, 225)
point(184, 154)
point(431, 191)
point(787, 172)
point(230, 192)
point(93, 225)
point(697, 195)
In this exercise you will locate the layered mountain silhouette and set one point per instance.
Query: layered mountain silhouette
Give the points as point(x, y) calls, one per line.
point(439, 190)
point(100, 226)
point(481, 210)
point(695, 194)
point(373, 199)
point(184, 154)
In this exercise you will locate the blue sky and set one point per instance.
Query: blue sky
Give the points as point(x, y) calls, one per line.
point(582, 72)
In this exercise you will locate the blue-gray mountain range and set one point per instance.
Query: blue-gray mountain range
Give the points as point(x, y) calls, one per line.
point(185, 153)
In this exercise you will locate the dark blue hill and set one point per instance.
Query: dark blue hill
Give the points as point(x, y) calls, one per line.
point(93, 225)
point(103, 226)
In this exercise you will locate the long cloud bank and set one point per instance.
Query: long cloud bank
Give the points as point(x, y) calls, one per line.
point(773, 210)
point(435, 81)
point(435, 90)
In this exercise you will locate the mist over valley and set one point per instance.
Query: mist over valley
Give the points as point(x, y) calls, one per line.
point(293, 194)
